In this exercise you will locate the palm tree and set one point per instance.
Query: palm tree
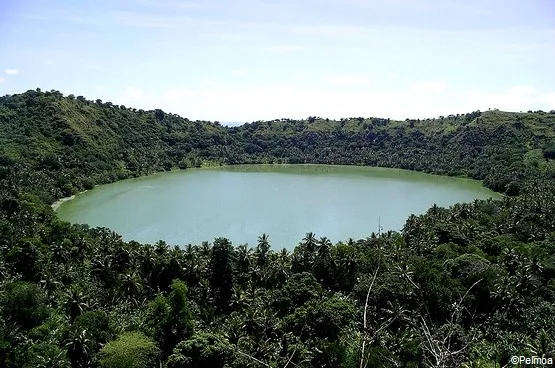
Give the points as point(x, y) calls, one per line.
point(101, 267)
point(523, 280)
point(131, 284)
point(510, 260)
point(59, 252)
point(4, 273)
point(477, 363)
point(192, 265)
point(535, 266)
point(206, 249)
point(310, 242)
point(47, 281)
point(263, 243)
point(322, 262)
point(161, 248)
point(75, 303)
point(543, 346)
point(304, 255)
point(122, 258)
point(284, 254)
point(239, 299)
point(244, 255)
point(262, 249)
point(147, 263)
point(79, 349)
point(59, 361)
point(323, 247)
point(235, 329)
point(278, 269)
point(189, 252)
point(243, 258)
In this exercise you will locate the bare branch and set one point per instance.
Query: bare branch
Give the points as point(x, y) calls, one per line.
point(368, 295)
point(253, 358)
point(366, 310)
point(291, 357)
point(441, 349)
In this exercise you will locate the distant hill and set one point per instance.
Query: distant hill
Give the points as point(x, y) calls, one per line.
point(470, 285)
point(72, 143)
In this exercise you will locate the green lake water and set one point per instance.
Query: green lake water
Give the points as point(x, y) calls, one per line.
point(283, 201)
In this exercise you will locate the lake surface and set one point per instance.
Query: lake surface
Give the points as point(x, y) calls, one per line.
point(283, 201)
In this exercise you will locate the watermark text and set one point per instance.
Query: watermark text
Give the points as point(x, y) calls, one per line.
point(535, 360)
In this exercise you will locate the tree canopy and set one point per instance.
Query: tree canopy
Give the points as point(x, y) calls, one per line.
point(472, 284)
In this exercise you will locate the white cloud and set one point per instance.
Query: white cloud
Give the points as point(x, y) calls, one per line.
point(345, 79)
point(523, 47)
point(521, 90)
point(430, 86)
point(331, 30)
point(130, 96)
point(48, 62)
point(234, 37)
point(12, 71)
point(168, 3)
point(135, 19)
point(283, 48)
point(205, 82)
point(516, 98)
point(134, 93)
point(548, 100)
point(188, 5)
point(250, 103)
point(238, 72)
point(267, 102)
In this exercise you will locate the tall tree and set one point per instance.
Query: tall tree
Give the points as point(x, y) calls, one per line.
point(221, 273)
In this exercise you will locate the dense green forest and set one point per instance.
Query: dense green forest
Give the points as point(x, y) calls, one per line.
point(470, 285)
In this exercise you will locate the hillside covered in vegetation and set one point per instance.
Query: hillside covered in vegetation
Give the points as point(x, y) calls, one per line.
point(472, 284)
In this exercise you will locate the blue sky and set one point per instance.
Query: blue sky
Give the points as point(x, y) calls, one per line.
point(251, 60)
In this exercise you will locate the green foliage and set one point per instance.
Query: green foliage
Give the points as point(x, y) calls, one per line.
point(221, 273)
point(44, 355)
point(130, 350)
point(24, 305)
point(479, 276)
point(24, 259)
point(169, 319)
point(201, 350)
point(323, 319)
point(97, 326)
point(299, 289)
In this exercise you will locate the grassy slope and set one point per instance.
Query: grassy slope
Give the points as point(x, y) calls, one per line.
point(99, 141)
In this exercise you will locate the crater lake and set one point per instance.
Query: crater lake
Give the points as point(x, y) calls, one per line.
point(283, 201)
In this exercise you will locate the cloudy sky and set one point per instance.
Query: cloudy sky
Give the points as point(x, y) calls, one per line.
point(245, 60)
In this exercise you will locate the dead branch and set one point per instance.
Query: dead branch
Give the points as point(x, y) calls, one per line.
point(366, 310)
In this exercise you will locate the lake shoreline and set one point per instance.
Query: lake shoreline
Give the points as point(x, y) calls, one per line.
point(189, 206)
point(59, 202)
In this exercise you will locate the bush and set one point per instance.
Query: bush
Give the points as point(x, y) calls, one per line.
point(88, 184)
point(67, 190)
point(513, 189)
point(202, 350)
point(24, 304)
point(130, 350)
